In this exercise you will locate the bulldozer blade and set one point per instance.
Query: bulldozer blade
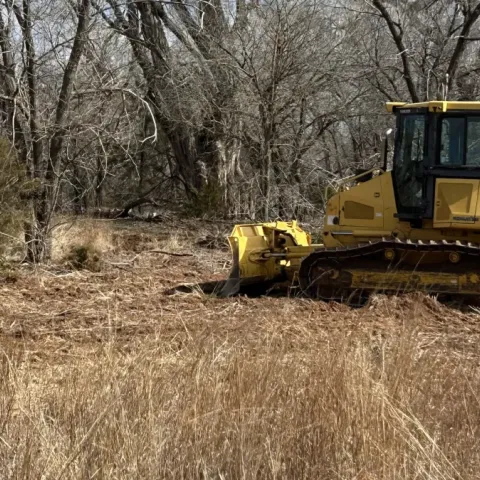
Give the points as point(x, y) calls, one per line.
point(258, 258)
point(254, 286)
point(256, 269)
point(230, 288)
point(236, 285)
point(232, 284)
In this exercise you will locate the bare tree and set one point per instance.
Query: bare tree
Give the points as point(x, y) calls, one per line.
point(179, 49)
point(432, 41)
point(290, 69)
point(39, 139)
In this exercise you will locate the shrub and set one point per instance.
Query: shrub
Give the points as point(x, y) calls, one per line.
point(208, 202)
point(81, 244)
point(84, 256)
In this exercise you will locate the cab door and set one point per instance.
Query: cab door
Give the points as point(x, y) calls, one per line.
point(409, 164)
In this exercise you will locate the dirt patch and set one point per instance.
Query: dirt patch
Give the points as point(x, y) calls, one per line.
point(128, 299)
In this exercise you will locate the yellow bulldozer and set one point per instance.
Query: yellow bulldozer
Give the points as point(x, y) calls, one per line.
point(415, 226)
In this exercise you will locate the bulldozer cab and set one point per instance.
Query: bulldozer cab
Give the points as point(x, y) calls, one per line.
point(436, 172)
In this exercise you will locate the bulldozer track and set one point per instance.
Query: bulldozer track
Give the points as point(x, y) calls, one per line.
point(336, 272)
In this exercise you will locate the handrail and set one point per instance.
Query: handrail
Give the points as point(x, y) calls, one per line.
point(343, 181)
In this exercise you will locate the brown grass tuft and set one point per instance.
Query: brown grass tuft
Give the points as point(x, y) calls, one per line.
point(82, 243)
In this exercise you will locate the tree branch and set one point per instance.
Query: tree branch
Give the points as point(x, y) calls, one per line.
point(397, 36)
point(67, 84)
point(470, 19)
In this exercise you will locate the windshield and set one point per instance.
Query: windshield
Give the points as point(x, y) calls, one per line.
point(408, 169)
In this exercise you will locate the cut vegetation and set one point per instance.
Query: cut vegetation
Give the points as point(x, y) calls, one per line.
point(105, 376)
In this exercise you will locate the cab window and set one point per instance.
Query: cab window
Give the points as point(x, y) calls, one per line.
point(460, 142)
point(473, 141)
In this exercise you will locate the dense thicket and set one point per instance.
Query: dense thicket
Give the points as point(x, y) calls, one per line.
point(13, 192)
point(222, 107)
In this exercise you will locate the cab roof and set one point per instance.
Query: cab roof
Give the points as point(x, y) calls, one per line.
point(435, 106)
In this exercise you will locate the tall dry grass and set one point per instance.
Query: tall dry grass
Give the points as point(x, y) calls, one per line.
point(78, 231)
point(265, 403)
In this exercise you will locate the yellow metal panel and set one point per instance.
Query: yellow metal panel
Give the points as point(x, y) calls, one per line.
point(455, 203)
point(446, 106)
point(391, 106)
point(358, 211)
point(435, 106)
point(390, 222)
point(358, 230)
point(362, 205)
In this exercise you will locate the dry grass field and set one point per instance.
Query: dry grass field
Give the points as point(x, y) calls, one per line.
point(104, 376)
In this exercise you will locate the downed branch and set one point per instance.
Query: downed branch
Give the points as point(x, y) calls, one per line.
point(164, 252)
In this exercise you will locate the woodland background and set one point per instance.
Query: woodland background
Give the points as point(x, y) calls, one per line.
point(220, 111)
point(219, 108)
